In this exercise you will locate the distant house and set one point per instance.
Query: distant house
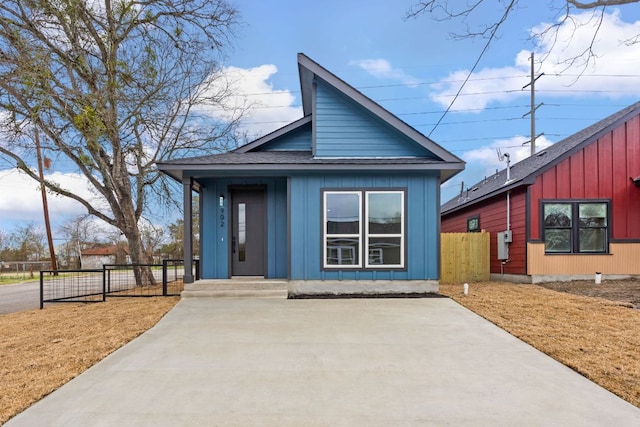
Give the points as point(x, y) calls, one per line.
point(567, 212)
point(344, 200)
point(99, 256)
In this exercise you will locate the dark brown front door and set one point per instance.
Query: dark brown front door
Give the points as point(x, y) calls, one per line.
point(248, 232)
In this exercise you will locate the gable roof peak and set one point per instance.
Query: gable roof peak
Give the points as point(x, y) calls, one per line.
point(310, 70)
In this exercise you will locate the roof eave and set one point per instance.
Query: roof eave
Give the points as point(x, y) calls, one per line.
point(492, 194)
point(175, 170)
point(273, 135)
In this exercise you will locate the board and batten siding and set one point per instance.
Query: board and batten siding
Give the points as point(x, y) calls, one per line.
point(600, 170)
point(345, 129)
point(422, 257)
point(493, 218)
point(215, 223)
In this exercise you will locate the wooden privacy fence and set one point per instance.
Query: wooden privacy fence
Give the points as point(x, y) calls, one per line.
point(464, 257)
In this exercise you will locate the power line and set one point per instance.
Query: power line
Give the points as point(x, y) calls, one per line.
point(462, 122)
point(463, 110)
point(592, 75)
point(488, 138)
point(440, 82)
point(454, 123)
point(426, 83)
point(459, 94)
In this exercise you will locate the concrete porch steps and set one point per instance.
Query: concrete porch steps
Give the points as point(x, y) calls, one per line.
point(236, 288)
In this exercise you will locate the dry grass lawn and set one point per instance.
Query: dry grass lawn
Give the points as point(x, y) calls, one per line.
point(596, 337)
point(42, 349)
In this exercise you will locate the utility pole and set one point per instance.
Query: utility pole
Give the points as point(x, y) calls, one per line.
point(45, 206)
point(534, 107)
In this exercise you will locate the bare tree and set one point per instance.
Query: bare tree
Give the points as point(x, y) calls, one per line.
point(114, 86)
point(80, 233)
point(4, 247)
point(560, 13)
point(27, 242)
point(152, 238)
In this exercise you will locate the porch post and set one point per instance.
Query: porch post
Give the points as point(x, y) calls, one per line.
point(188, 230)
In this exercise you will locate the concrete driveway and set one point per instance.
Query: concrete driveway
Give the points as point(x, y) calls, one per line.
point(343, 362)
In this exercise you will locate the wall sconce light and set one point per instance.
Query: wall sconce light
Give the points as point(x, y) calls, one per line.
point(635, 180)
point(221, 200)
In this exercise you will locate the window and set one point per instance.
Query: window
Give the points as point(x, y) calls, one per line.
point(343, 228)
point(363, 229)
point(575, 227)
point(385, 228)
point(473, 224)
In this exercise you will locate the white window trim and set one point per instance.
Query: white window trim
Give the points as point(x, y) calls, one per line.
point(368, 235)
point(363, 232)
point(325, 235)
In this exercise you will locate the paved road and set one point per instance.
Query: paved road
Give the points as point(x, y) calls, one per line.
point(26, 295)
point(19, 296)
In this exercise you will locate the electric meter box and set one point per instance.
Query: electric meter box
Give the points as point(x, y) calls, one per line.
point(504, 238)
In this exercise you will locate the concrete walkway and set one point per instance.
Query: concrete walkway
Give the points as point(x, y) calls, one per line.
point(357, 362)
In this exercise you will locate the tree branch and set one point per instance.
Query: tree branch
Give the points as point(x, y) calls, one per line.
point(599, 3)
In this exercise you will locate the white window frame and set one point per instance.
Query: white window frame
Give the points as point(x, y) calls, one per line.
point(363, 235)
point(326, 235)
point(369, 235)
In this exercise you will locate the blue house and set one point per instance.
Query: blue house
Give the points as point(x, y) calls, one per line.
point(344, 200)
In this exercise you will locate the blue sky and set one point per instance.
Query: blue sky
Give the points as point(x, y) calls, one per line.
point(412, 68)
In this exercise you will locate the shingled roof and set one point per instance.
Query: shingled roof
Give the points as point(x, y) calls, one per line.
point(295, 160)
point(289, 158)
point(104, 250)
point(526, 171)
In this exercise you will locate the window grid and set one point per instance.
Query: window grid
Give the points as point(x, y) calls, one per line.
point(373, 257)
point(375, 254)
point(342, 252)
point(575, 227)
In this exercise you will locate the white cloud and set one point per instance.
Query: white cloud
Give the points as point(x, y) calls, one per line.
point(613, 57)
point(485, 86)
point(268, 108)
point(483, 162)
point(487, 157)
point(21, 199)
point(382, 69)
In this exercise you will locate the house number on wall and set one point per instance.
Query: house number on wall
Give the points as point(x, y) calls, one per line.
point(221, 217)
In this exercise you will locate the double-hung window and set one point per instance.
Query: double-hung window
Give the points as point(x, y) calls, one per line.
point(575, 226)
point(364, 229)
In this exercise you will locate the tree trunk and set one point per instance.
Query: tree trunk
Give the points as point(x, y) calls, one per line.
point(141, 269)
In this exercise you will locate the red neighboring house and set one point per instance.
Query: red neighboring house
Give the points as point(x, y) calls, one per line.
point(567, 212)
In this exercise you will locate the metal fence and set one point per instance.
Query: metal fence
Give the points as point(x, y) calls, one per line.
point(72, 286)
point(113, 280)
point(22, 270)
